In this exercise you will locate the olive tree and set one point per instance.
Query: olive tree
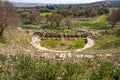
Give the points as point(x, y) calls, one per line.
point(114, 17)
point(55, 18)
point(8, 17)
point(35, 17)
point(68, 23)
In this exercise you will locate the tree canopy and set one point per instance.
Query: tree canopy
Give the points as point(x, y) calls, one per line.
point(34, 17)
point(114, 17)
point(8, 17)
point(55, 17)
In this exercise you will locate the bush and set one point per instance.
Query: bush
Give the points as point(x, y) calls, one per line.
point(26, 22)
point(118, 33)
point(2, 58)
point(2, 40)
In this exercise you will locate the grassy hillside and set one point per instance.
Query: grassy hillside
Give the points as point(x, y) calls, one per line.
point(14, 40)
point(110, 3)
point(98, 23)
point(106, 43)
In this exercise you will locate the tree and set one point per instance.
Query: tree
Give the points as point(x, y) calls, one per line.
point(89, 12)
point(8, 17)
point(68, 23)
point(35, 17)
point(102, 10)
point(57, 18)
point(114, 17)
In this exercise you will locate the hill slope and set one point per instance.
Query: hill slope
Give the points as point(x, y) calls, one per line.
point(109, 3)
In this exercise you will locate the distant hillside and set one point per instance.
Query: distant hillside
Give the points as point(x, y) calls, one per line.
point(109, 3)
point(111, 0)
point(24, 4)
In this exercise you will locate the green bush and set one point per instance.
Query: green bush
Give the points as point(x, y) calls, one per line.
point(2, 58)
point(2, 40)
point(26, 22)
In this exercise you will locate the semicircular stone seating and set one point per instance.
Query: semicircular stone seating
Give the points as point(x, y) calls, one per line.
point(53, 35)
point(56, 35)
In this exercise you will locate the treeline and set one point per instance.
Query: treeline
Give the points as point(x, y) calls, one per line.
point(83, 12)
point(68, 10)
point(57, 16)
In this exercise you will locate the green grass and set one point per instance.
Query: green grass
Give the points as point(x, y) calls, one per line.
point(98, 23)
point(78, 44)
point(100, 19)
point(107, 42)
point(110, 40)
point(63, 45)
point(96, 26)
point(111, 44)
point(50, 43)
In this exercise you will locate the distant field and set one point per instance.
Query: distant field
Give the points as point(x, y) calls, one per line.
point(63, 44)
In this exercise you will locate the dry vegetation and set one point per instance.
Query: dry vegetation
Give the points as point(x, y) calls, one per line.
point(15, 40)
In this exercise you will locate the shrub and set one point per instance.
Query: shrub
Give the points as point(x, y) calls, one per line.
point(26, 22)
point(2, 40)
point(2, 58)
